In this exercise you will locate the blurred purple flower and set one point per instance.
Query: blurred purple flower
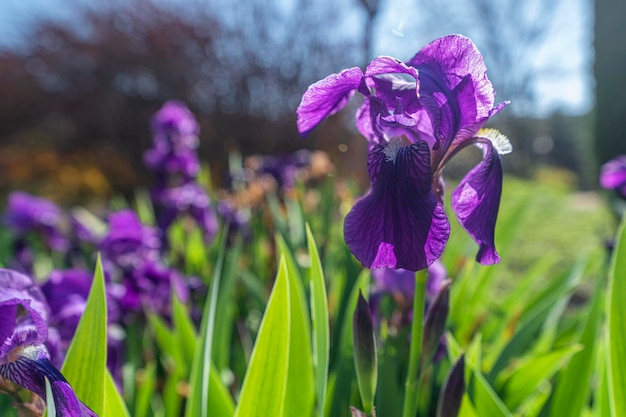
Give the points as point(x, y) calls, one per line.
point(613, 175)
point(24, 360)
point(150, 286)
point(400, 283)
point(128, 241)
point(27, 213)
point(163, 161)
point(416, 117)
point(175, 139)
point(175, 124)
point(189, 199)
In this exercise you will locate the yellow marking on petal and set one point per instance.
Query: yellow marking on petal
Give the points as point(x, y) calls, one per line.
point(499, 140)
point(393, 147)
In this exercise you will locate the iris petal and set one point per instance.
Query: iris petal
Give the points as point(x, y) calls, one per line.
point(400, 223)
point(454, 88)
point(326, 97)
point(476, 200)
point(30, 373)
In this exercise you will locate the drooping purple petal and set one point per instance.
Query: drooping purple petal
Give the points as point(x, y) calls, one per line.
point(613, 175)
point(454, 87)
point(476, 201)
point(400, 223)
point(326, 97)
point(32, 368)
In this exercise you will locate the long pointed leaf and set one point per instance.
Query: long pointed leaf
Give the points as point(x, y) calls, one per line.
point(616, 326)
point(321, 331)
point(265, 384)
point(300, 397)
point(85, 363)
point(198, 402)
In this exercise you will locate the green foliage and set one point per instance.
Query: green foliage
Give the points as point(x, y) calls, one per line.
point(616, 327)
point(85, 363)
point(541, 334)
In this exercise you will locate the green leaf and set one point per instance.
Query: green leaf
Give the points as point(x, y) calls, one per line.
point(50, 406)
point(201, 371)
point(340, 393)
point(85, 363)
point(145, 389)
point(265, 384)
point(616, 326)
point(527, 377)
point(319, 317)
point(484, 399)
point(185, 332)
point(300, 397)
point(114, 404)
point(574, 382)
point(535, 314)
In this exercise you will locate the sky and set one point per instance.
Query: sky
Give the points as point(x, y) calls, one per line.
point(570, 92)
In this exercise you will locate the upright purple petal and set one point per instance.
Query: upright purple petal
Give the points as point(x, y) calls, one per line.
point(454, 87)
point(400, 223)
point(476, 201)
point(326, 97)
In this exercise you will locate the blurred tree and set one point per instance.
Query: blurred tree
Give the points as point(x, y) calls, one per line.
point(96, 83)
point(610, 67)
point(509, 34)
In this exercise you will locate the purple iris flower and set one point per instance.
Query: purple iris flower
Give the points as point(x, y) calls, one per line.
point(175, 124)
point(416, 116)
point(175, 139)
point(128, 241)
point(27, 213)
point(151, 285)
point(189, 199)
point(613, 175)
point(24, 359)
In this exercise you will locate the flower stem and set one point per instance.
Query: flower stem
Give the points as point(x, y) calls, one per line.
point(411, 385)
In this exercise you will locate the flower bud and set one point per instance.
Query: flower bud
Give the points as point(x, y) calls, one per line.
point(435, 324)
point(365, 356)
point(452, 391)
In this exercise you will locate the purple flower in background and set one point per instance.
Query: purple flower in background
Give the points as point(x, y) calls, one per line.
point(66, 292)
point(416, 116)
point(162, 160)
point(128, 241)
point(175, 139)
point(189, 199)
point(175, 123)
point(613, 175)
point(27, 213)
point(24, 360)
point(151, 285)
point(400, 283)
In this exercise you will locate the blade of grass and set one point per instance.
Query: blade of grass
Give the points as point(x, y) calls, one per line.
point(300, 397)
point(265, 384)
point(616, 326)
point(198, 402)
point(85, 363)
point(319, 317)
